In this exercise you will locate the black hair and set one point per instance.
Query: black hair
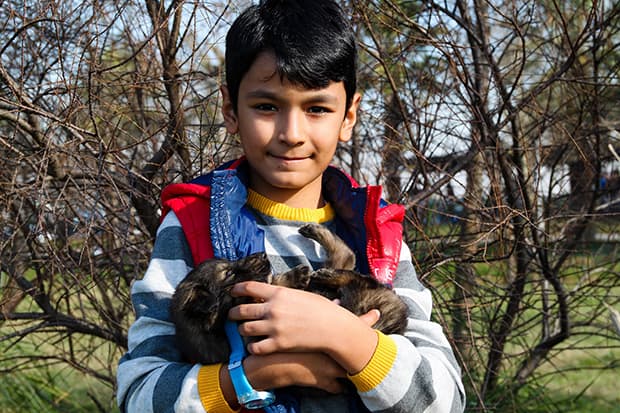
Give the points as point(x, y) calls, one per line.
point(312, 41)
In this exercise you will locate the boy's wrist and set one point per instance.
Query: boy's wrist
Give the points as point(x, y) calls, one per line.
point(268, 372)
point(215, 389)
point(378, 366)
point(354, 347)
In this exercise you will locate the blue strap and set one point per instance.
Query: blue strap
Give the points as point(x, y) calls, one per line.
point(285, 403)
point(247, 396)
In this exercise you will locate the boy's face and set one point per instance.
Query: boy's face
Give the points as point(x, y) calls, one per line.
point(288, 133)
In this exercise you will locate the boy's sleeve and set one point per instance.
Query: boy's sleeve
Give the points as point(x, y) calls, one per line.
point(151, 376)
point(417, 371)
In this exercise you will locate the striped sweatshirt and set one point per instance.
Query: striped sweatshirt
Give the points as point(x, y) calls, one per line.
point(413, 372)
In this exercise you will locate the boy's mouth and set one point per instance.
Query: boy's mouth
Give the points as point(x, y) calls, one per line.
point(290, 158)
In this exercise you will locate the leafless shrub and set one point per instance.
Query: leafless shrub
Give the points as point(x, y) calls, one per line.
point(489, 121)
point(498, 117)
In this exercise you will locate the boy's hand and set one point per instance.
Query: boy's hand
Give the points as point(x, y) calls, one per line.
point(294, 369)
point(286, 369)
point(293, 320)
point(371, 317)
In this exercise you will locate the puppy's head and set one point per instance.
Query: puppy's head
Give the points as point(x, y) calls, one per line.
point(204, 295)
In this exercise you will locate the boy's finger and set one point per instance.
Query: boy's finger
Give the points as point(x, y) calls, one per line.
point(332, 386)
point(263, 347)
point(255, 328)
point(371, 317)
point(254, 289)
point(242, 312)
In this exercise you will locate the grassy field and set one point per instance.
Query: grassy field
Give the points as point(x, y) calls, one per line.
point(44, 383)
point(579, 389)
point(571, 381)
point(585, 388)
point(71, 393)
point(582, 374)
point(54, 390)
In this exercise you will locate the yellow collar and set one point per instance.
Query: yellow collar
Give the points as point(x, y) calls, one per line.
point(281, 211)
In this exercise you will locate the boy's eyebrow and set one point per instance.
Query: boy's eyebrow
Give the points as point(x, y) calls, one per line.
point(314, 98)
point(261, 94)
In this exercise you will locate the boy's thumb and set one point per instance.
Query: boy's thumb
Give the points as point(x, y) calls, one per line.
point(371, 317)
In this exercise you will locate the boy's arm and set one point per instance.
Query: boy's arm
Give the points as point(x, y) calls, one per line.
point(416, 371)
point(152, 376)
point(413, 372)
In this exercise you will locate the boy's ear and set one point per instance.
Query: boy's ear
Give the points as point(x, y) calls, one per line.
point(346, 130)
point(228, 111)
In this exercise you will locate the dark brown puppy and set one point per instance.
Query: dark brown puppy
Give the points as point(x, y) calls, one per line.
point(201, 301)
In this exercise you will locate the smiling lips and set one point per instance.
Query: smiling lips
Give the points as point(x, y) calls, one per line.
point(289, 158)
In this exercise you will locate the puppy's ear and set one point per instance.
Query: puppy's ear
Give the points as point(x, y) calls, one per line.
point(298, 277)
point(197, 300)
point(210, 272)
point(254, 267)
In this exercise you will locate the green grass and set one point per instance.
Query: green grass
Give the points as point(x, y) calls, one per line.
point(48, 385)
point(585, 375)
point(570, 381)
point(588, 380)
point(54, 390)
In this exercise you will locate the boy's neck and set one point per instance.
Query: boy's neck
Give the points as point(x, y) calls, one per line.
point(281, 211)
point(309, 196)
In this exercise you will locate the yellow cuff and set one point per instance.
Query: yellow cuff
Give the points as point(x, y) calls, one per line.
point(210, 391)
point(379, 365)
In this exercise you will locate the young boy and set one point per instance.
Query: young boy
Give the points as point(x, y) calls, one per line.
point(290, 96)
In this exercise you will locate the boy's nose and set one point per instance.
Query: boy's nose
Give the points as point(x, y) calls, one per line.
point(292, 128)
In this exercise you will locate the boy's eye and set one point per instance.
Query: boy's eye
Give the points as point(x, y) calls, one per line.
point(318, 110)
point(265, 107)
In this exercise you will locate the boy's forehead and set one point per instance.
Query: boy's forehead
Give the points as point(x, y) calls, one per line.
point(264, 68)
point(263, 79)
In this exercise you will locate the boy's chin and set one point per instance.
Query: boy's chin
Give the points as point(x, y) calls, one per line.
point(296, 193)
point(287, 181)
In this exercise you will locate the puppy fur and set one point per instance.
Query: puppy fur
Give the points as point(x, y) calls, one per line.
point(202, 300)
